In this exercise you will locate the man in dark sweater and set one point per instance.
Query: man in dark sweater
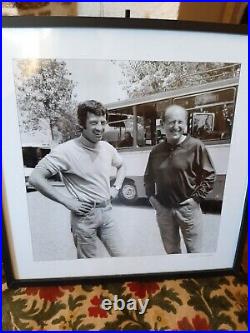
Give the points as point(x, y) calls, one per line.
point(179, 174)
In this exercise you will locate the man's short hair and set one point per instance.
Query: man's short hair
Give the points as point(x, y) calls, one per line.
point(90, 106)
point(169, 107)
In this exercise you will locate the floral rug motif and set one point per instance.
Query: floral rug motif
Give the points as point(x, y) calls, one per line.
point(217, 303)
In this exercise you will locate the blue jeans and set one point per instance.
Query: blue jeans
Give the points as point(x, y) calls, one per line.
point(98, 222)
point(173, 220)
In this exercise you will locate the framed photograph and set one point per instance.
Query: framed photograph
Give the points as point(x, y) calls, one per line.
point(121, 147)
point(203, 124)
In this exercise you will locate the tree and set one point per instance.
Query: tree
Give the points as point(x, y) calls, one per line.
point(44, 90)
point(148, 77)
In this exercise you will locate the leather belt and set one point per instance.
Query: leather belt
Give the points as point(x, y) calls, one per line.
point(102, 204)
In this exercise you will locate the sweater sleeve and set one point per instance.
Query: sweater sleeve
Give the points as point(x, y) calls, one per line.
point(55, 162)
point(149, 179)
point(205, 175)
point(116, 157)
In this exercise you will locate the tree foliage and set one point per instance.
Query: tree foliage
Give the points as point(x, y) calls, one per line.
point(44, 90)
point(148, 77)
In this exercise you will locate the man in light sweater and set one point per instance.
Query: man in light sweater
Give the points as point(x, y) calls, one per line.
point(85, 164)
point(179, 174)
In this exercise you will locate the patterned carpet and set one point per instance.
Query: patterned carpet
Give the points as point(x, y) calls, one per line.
point(217, 303)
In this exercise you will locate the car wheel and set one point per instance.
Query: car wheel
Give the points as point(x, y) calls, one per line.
point(128, 192)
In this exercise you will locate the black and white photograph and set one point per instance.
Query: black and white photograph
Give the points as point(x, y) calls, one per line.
point(203, 124)
point(97, 135)
point(125, 159)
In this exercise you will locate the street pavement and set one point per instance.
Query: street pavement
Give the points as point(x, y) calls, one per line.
point(52, 239)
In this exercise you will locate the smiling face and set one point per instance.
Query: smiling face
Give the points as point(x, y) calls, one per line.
point(94, 128)
point(175, 123)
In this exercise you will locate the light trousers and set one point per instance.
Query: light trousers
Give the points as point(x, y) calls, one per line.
point(97, 223)
point(173, 220)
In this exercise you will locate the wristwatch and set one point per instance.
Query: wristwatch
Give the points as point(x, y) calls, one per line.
point(116, 187)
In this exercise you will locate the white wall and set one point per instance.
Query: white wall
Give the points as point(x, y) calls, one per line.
point(163, 10)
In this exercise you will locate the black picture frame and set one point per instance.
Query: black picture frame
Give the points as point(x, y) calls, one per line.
point(17, 23)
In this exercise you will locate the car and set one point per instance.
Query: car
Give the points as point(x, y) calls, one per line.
point(32, 154)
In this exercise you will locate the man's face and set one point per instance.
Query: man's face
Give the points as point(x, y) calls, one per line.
point(175, 123)
point(95, 127)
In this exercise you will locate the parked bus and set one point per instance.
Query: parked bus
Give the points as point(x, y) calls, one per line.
point(210, 107)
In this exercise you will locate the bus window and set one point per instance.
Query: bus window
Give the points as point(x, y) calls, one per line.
point(115, 128)
point(161, 107)
point(127, 141)
point(212, 123)
point(151, 121)
point(202, 124)
point(200, 100)
point(210, 113)
point(124, 129)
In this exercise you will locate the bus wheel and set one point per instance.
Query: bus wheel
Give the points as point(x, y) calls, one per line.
point(128, 192)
